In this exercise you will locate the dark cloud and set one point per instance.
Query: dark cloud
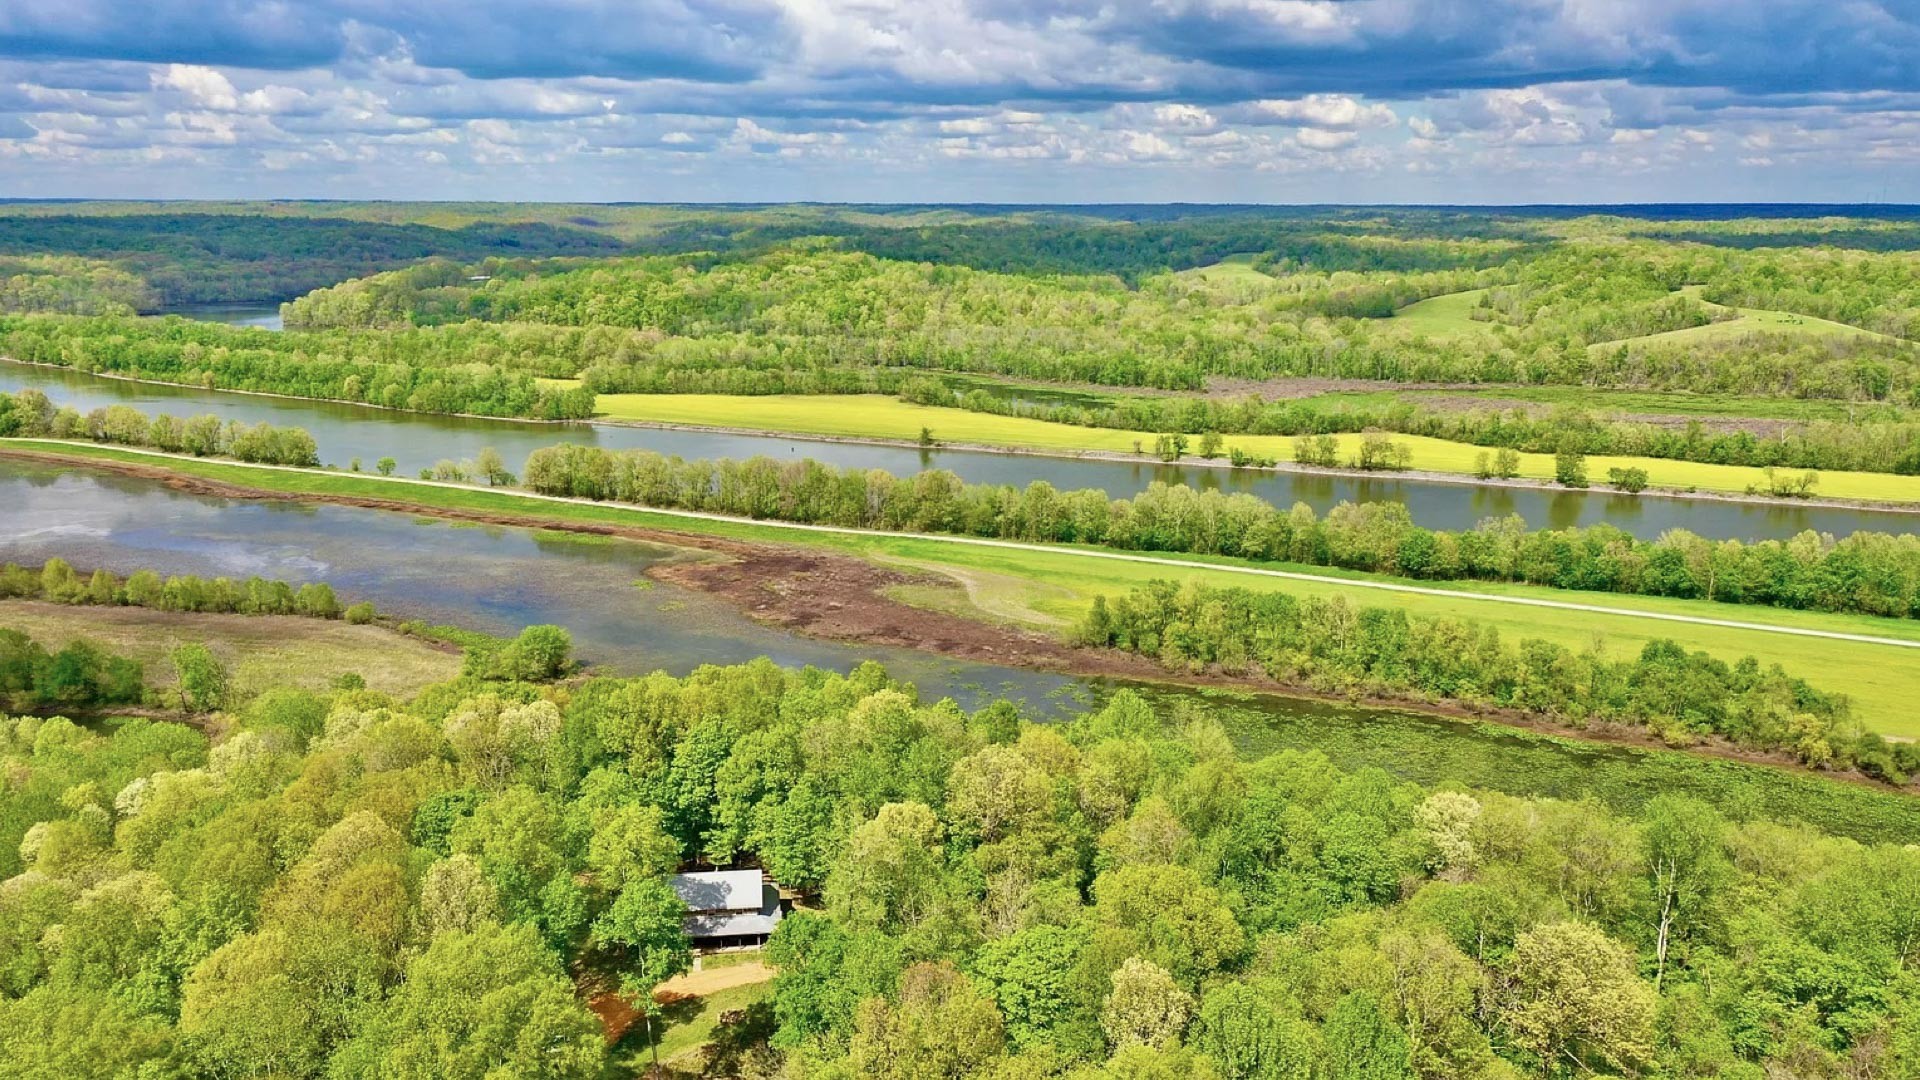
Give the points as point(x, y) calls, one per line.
point(705, 40)
point(273, 36)
point(1398, 48)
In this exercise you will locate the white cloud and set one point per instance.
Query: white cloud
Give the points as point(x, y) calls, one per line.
point(1332, 111)
point(1316, 139)
point(202, 86)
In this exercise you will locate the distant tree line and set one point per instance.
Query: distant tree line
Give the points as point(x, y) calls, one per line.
point(57, 582)
point(1550, 316)
point(31, 414)
point(69, 286)
point(197, 258)
point(1870, 573)
point(1333, 646)
point(421, 372)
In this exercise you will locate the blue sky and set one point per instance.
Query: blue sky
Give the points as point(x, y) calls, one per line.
point(964, 100)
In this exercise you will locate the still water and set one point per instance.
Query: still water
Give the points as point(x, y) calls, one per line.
point(486, 578)
point(417, 441)
point(264, 316)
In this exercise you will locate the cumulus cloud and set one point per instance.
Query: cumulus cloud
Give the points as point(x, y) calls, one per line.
point(890, 92)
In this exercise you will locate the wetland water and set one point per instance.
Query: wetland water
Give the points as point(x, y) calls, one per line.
point(498, 579)
point(416, 441)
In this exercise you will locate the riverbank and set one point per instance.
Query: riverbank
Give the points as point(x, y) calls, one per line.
point(838, 594)
point(1517, 483)
point(890, 421)
point(1668, 479)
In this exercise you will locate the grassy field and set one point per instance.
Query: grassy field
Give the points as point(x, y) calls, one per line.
point(261, 651)
point(1446, 315)
point(1045, 587)
point(1237, 269)
point(876, 416)
point(689, 1025)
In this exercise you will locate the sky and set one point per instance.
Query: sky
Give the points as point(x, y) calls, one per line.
point(1278, 101)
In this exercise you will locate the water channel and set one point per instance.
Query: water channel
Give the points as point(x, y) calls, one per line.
point(499, 579)
point(417, 441)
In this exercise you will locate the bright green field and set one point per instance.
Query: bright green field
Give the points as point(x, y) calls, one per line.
point(1045, 586)
point(1446, 315)
point(875, 416)
point(1746, 321)
point(1235, 269)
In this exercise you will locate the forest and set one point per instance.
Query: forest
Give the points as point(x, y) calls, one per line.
point(346, 885)
point(202, 258)
point(808, 305)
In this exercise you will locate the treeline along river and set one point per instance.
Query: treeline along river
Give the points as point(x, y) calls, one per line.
point(416, 441)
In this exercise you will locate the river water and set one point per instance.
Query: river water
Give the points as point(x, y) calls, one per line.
point(417, 441)
point(499, 579)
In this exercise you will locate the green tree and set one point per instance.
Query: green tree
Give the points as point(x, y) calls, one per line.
point(478, 1004)
point(941, 1028)
point(1575, 999)
point(1145, 1006)
point(1363, 1042)
point(1570, 465)
point(1246, 1038)
point(489, 466)
point(203, 678)
point(646, 924)
point(1681, 842)
point(385, 466)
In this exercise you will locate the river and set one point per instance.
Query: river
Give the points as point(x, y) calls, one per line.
point(499, 579)
point(416, 441)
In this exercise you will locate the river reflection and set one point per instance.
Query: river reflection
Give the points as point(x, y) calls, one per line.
point(414, 441)
point(488, 578)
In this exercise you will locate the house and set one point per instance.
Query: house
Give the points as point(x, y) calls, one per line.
point(728, 909)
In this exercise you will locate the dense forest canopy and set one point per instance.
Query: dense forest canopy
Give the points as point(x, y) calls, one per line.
point(348, 885)
point(207, 258)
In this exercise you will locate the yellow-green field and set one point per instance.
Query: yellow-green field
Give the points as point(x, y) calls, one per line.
point(260, 651)
point(1235, 269)
point(1446, 315)
point(875, 416)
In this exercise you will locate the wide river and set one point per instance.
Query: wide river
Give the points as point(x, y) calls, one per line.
point(499, 579)
point(417, 441)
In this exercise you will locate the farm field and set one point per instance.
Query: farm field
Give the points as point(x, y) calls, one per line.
point(875, 416)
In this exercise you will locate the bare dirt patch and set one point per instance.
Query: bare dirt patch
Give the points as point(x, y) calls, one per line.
point(706, 981)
